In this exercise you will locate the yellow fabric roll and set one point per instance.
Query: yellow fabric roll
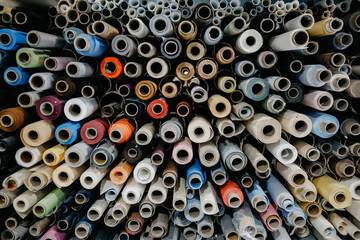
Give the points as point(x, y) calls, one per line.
point(54, 155)
point(335, 193)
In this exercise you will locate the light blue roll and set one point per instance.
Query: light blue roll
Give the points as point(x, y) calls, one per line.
point(315, 75)
point(295, 218)
point(254, 193)
point(260, 227)
point(190, 192)
point(15, 76)
point(245, 68)
point(104, 154)
point(180, 219)
point(323, 125)
point(90, 46)
point(193, 206)
point(218, 174)
point(11, 40)
point(339, 154)
point(67, 133)
point(213, 35)
point(173, 232)
point(232, 156)
point(254, 88)
point(71, 33)
point(89, 224)
point(279, 194)
point(196, 177)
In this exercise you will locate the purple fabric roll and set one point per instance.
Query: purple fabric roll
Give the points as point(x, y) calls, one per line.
point(50, 107)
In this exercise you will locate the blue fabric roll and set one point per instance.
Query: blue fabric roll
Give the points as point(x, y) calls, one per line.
point(66, 206)
point(12, 40)
point(318, 119)
point(180, 220)
point(22, 76)
point(238, 69)
point(71, 219)
point(86, 196)
point(97, 46)
point(256, 191)
point(193, 205)
point(288, 214)
point(179, 50)
point(109, 150)
point(71, 33)
point(86, 221)
point(73, 128)
point(251, 88)
point(196, 169)
point(219, 167)
point(4, 56)
point(335, 146)
point(279, 194)
point(294, 94)
point(229, 152)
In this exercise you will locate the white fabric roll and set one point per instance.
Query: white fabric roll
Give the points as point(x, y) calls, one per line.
point(133, 191)
point(98, 208)
point(283, 151)
point(47, 78)
point(157, 192)
point(202, 125)
point(209, 154)
point(208, 199)
point(28, 199)
point(30, 99)
point(16, 180)
point(354, 186)
point(78, 154)
point(110, 189)
point(40, 177)
point(65, 175)
point(29, 156)
point(77, 109)
point(323, 226)
point(144, 171)
point(92, 176)
point(293, 174)
point(147, 130)
point(249, 35)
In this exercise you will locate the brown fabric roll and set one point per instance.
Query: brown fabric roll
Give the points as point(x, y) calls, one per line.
point(12, 119)
point(159, 227)
point(65, 87)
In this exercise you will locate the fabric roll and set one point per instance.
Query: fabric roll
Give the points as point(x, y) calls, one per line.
point(134, 224)
point(196, 177)
point(50, 107)
point(353, 185)
point(16, 180)
point(147, 208)
point(208, 199)
point(182, 152)
point(121, 172)
point(264, 128)
point(121, 131)
point(244, 221)
point(231, 194)
point(77, 109)
point(37, 133)
point(28, 156)
point(110, 189)
point(104, 154)
point(193, 211)
point(132, 152)
point(54, 155)
point(7, 197)
point(257, 197)
point(144, 171)
point(283, 151)
point(232, 156)
point(28, 199)
point(120, 209)
point(65, 175)
point(159, 227)
point(40, 176)
point(12, 119)
point(219, 174)
point(38, 228)
point(271, 218)
point(93, 131)
point(133, 191)
point(170, 175)
point(45, 205)
point(171, 131)
point(179, 195)
point(84, 228)
point(157, 191)
point(97, 209)
point(78, 154)
point(200, 130)
point(67, 133)
point(209, 154)
point(92, 176)
point(279, 193)
point(145, 134)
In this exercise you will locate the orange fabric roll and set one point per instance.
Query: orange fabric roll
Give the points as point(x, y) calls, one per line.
point(121, 131)
point(111, 67)
point(12, 119)
point(231, 190)
point(120, 173)
point(145, 89)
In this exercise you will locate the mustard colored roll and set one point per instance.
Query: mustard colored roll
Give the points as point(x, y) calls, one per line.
point(54, 155)
point(312, 209)
point(326, 27)
point(335, 193)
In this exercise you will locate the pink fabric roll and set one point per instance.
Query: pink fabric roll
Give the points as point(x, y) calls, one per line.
point(183, 152)
point(320, 100)
point(54, 234)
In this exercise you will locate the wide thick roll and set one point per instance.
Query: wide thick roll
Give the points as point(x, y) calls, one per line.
point(77, 109)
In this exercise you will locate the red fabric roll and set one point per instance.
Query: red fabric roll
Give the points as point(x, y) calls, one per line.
point(158, 108)
point(92, 132)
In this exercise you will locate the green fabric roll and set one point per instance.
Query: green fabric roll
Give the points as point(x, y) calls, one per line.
point(31, 58)
point(45, 205)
